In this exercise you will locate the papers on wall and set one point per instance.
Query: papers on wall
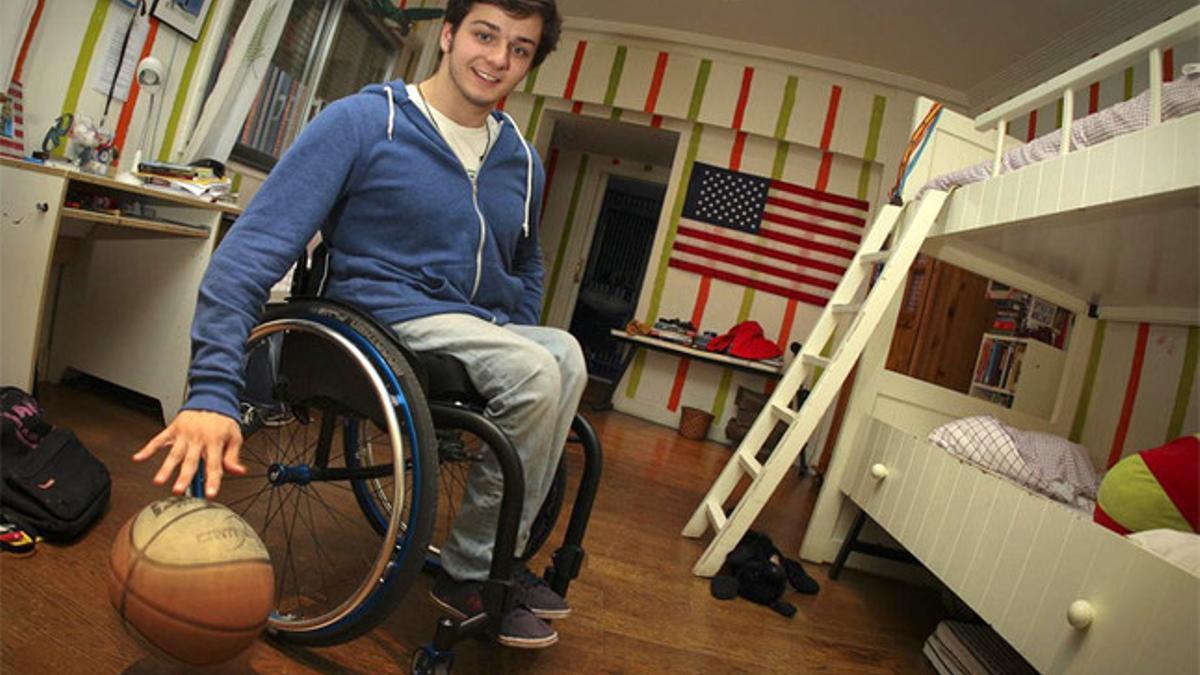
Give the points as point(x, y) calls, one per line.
point(112, 53)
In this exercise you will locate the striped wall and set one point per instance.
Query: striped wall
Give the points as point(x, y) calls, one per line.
point(1141, 389)
point(1099, 95)
point(772, 120)
point(59, 79)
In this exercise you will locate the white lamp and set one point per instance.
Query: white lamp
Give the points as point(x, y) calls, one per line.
point(150, 76)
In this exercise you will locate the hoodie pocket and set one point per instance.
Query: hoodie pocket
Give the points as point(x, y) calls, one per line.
point(448, 281)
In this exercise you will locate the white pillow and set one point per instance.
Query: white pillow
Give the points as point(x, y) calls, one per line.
point(985, 442)
point(1181, 548)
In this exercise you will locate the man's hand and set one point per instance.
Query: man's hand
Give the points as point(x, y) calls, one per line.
point(196, 434)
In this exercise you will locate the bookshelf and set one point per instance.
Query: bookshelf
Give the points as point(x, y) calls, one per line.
point(1021, 357)
point(1018, 373)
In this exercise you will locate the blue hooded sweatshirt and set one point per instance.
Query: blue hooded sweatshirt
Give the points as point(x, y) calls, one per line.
point(409, 233)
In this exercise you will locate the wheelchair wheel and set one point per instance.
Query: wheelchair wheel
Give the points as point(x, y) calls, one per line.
point(317, 382)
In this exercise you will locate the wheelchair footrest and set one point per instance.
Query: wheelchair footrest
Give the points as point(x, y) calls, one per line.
point(567, 562)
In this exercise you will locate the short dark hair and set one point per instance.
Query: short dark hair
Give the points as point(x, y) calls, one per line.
point(456, 11)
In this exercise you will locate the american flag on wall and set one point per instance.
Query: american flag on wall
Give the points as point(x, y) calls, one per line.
point(766, 234)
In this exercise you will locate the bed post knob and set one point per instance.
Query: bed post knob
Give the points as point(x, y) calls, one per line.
point(879, 471)
point(1080, 614)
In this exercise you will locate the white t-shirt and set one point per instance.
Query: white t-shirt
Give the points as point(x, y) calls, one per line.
point(470, 144)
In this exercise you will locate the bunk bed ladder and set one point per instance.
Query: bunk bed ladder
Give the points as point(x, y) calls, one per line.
point(846, 324)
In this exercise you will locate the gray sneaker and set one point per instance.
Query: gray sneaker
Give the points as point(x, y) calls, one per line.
point(539, 597)
point(519, 628)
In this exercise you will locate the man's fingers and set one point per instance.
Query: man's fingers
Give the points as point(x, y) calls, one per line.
point(212, 471)
point(162, 440)
point(169, 463)
point(187, 469)
point(233, 462)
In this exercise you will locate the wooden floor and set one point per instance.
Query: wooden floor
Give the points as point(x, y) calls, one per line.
point(637, 607)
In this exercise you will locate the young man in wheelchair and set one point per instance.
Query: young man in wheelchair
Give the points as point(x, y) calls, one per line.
point(428, 202)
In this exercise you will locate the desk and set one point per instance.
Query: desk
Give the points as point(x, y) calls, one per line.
point(635, 342)
point(106, 294)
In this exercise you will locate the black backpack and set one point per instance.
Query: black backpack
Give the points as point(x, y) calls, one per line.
point(50, 484)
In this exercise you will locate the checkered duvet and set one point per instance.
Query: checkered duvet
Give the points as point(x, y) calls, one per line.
point(1044, 463)
point(1179, 98)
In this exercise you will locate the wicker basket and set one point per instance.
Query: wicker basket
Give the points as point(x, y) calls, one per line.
point(694, 423)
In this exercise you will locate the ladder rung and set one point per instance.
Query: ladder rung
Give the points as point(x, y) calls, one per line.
point(850, 308)
point(876, 257)
point(818, 361)
point(783, 413)
point(716, 515)
point(750, 464)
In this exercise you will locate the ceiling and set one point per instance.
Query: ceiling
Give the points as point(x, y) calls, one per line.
point(982, 51)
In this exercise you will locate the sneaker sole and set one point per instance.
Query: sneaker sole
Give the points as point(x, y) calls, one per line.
point(528, 643)
point(550, 613)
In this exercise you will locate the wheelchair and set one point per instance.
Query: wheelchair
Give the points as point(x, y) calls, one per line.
point(358, 453)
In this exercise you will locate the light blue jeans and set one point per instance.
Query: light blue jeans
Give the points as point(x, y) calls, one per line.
point(532, 378)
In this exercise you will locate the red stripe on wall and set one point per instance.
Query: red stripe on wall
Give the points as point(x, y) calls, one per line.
point(1168, 65)
point(131, 102)
point(569, 91)
point(747, 281)
point(656, 121)
point(1032, 131)
point(835, 97)
point(660, 67)
point(743, 97)
point(681, 370)
point(33, 24)
point(785, 328)
point(1131, 389)
point(576, 107)
point(735, 155)
point(1093, 98)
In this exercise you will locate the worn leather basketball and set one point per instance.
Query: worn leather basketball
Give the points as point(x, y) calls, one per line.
point(193, 579)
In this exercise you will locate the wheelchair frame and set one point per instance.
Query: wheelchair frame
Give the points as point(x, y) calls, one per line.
point(451, 404)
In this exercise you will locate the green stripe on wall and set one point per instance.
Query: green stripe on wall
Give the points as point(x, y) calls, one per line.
point(86, 48)
point(781, 157)
point(664, 258)
point(616, 114)
point(565, 237)
point(718, 406)
point(1128, 83)
point(785, 111)
point(698, 89)
point(535, 117)
point(1187, 378)
point(1089, 382)
point(614, 76)
point(185, 81)
point(872, 148)
point(531, 80)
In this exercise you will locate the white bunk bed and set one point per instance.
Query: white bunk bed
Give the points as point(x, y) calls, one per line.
point(1113, 228)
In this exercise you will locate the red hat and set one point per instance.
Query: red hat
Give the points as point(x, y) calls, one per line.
point(745, 341)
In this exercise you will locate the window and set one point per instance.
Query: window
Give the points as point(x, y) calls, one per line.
point(328, 50)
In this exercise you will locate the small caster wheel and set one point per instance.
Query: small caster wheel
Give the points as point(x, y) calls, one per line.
point(428, 662)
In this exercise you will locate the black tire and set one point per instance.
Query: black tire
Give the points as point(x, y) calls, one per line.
point(311, 364)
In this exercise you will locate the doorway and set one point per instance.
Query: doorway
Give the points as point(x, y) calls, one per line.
point(616, 267)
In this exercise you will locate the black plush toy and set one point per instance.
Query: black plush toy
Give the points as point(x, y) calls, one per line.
point(758, 572)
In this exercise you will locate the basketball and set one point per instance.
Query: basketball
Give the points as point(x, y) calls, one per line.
point(192, 579)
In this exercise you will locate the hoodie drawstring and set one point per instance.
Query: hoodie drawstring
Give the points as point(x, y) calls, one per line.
point(528, 172)
point(391, 110)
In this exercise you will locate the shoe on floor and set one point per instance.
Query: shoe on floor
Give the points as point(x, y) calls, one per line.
point(539, 597)
point(520, 628)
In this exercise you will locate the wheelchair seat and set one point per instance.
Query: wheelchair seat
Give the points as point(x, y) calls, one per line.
point(448, 381)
